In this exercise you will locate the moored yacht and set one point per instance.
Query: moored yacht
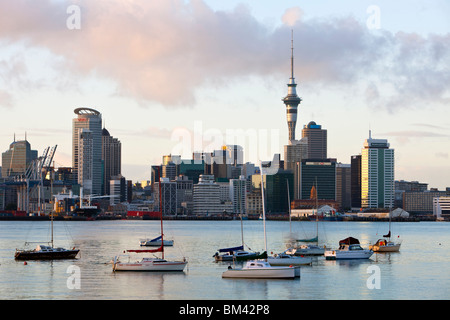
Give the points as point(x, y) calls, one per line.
point(349, 248)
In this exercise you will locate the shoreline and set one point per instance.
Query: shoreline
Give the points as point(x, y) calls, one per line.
point(212, 218)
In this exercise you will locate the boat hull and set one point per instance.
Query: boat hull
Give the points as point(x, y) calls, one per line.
point(293, 261)
point(157, 243)
point(346, 255)
point(33, 255)
point(155, 266)
point(267, 273)
point(248, 257)
point(386, 248)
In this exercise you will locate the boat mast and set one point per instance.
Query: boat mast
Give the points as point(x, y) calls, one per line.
point(289, 208)
point(264, 208)
point(160, 212)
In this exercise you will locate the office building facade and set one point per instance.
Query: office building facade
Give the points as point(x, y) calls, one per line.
point(112, 159)
point(377, 174)
point(90, 120)
point(16, 160)
point(316, 137)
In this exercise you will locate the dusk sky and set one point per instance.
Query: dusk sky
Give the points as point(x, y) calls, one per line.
point(177, 76)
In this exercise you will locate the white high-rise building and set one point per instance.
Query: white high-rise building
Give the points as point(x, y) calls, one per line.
point(377, 174)
point(206, 196)
point(91, 120)
point(238, 192)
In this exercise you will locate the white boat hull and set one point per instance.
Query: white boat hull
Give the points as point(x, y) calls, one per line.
point(341, 255)
point(261, 269)
point(308, 251)
point(292, 261)
point(152, 265)
point(266, 273)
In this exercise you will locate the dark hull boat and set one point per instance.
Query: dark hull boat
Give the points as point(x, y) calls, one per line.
point(46, 253)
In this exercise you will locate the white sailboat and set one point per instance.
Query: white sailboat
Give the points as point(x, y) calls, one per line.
point(149, 263)
point(261, 268)
point(386, 245)
point(238, 253)
point(308, 249)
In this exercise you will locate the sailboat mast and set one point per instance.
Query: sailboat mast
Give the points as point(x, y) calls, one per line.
point(289, 207)
point(160, 212)
point(51, 218)
point(264, 208)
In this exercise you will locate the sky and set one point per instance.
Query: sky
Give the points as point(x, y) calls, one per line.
point(177, 76)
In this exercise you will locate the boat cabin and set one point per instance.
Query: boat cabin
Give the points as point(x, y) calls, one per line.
point(257, 264)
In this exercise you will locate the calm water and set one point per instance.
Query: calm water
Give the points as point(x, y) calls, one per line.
point(419, 271)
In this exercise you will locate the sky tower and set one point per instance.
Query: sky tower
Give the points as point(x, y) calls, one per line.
point(292, 100)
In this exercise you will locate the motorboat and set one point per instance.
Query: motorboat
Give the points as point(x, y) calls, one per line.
point(284, 259)
point(42, 252)
point(261, 269)
point(349, 248)
point(156, 242)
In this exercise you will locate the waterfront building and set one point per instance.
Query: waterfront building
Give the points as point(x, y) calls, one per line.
point(276, 190)
point(441, 206)
point(355, 182)
point(111, 157)
point(85, 160)
point(316, 138)
point(320, 173)
point(253, 203)
point(184, 192)
point(191, 169)
point(168, 200)
point(206, 196)
point(377, 174)
point(421, 202)
point(91, 120)
point(238, 192)
point(294, 153)
point(17, 158)
point(118, 190)
point(343, 185)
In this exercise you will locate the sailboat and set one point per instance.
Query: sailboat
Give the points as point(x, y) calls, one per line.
point(149, 263)
point(284, 258)
point(42, 252)
point(155, 242)
point(238, 253)
point(386, 245)
point(261, 268)
point(308, 249)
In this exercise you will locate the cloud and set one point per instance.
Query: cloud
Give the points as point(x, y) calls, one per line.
point(162, 51)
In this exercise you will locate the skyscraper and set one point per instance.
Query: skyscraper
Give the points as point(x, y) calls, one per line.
point(91, 120)
point(292, 100)
point(317, 140)
point(112, 159)
point(377, 174)
point(15, 161)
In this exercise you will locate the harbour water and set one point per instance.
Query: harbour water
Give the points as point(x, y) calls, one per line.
point(420, 271)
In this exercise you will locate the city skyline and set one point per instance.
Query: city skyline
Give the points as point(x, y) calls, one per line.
point(189, 70)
